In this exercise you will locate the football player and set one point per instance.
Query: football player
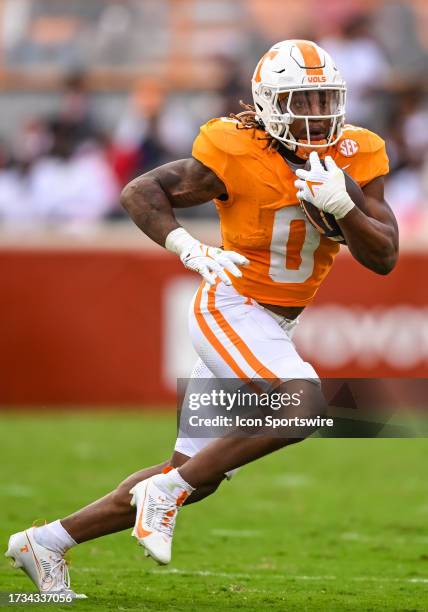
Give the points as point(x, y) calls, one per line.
point(253, 289)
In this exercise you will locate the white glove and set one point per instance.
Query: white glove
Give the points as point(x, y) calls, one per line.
point(209, 261)
point(325, 188)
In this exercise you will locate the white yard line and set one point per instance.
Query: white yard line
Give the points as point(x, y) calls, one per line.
point(353, 536)
point(349, 536)
point(232, 575)
point(266, 576)
point(237, 533)
point(16, 490)
point(292, 480)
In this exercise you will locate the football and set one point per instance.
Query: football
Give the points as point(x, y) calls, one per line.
point(325, 222)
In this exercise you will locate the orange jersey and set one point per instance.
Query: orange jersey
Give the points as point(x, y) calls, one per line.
point(262, 218)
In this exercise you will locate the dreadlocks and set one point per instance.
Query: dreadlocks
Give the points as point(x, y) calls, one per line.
point(247, 121)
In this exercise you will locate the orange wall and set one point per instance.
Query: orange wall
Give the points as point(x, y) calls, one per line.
point(85, 327)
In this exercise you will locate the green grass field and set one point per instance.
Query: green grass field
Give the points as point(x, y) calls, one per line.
point(326, 525)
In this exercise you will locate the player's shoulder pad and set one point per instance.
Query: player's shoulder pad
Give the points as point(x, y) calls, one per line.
point(356, 139)
point(224, 134)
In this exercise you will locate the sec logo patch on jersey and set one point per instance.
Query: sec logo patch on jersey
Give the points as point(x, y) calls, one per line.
point(348, 147)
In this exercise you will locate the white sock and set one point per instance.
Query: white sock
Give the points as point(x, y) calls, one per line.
point(172, 483)
point(54, 536)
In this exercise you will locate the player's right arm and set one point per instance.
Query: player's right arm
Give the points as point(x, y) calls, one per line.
point(150, 199)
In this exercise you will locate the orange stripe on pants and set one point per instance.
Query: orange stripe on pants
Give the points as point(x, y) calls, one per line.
point(236, 340)
point(213, 340)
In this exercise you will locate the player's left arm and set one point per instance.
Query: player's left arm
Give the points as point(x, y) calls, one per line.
point(372, 235)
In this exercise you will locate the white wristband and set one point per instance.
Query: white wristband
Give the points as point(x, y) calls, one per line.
point(178, 240)
point(341, 208)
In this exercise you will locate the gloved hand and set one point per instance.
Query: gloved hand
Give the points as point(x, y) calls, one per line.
point(209, 261)
point(325, 188)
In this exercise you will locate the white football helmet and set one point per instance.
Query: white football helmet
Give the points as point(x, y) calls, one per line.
point(296, 79)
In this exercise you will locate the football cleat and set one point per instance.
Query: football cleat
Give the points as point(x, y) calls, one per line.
point(46, 568)
point(155, 518)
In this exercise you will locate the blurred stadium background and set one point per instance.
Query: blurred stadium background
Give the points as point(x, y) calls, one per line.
point(96, 92)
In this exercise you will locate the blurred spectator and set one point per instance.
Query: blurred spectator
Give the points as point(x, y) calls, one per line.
point(68, 183)
point(32, 141)
point(362, 64)
point(13, 192)
point(75, 106)
point(235, 85)
point(396, 29)
point(407, 187)
point(72, 183)
point(136, 146)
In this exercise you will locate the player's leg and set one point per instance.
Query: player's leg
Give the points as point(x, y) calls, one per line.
point(202, 381)
point(231, 452)
point(237, 339)
point(39, 551)
point(113, 512)
point(108, 514)
point(238, 335)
